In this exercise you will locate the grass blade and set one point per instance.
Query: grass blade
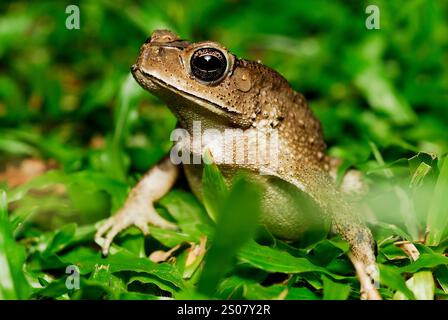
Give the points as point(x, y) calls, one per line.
point(13, 284)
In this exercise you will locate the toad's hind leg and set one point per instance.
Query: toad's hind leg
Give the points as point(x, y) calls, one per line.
point(362, 246)
point(347, 223)
point(354, 186)
point(362, 256)
point(138, 209)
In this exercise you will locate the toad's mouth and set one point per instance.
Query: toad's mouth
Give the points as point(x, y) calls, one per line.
point(155, 85)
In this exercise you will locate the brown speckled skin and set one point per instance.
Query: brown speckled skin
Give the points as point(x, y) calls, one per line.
point(252, 96)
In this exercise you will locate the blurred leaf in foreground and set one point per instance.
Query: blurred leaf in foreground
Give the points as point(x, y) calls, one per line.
point(214, 187)
point(237, 222)
point(438, 211)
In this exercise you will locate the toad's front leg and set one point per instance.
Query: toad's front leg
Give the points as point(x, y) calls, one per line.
point(138, 209)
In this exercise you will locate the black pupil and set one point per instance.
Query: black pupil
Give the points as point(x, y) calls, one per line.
point(208, 64)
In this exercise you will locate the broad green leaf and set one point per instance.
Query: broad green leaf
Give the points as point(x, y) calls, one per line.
point(133, 240)
point(188, 212)
point(313, 279)
point(97, 290)
point(421, 284)
point(391, 277)
point(234, 286)
point(169, 238)
point(425, 261)
point(121, 260)
point(325, 251)
point(334, 290)
point(340, 266)
point(53, 290)
point(147, 278)
point(392, 252)
point(231, 287)
point(394, 230)
point(60, 239)
point(114, 284)
point(272, 260)
point(441, 275)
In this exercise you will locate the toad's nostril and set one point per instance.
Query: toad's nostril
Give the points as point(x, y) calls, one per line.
point(135, 68)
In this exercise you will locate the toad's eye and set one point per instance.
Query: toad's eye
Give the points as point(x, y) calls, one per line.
point(208, 64)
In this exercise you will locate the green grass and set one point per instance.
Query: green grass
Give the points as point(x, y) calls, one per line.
point(67, 98)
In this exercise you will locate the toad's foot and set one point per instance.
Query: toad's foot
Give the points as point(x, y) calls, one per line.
point(139, 209)
point(131, 215)
point(368, 276)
